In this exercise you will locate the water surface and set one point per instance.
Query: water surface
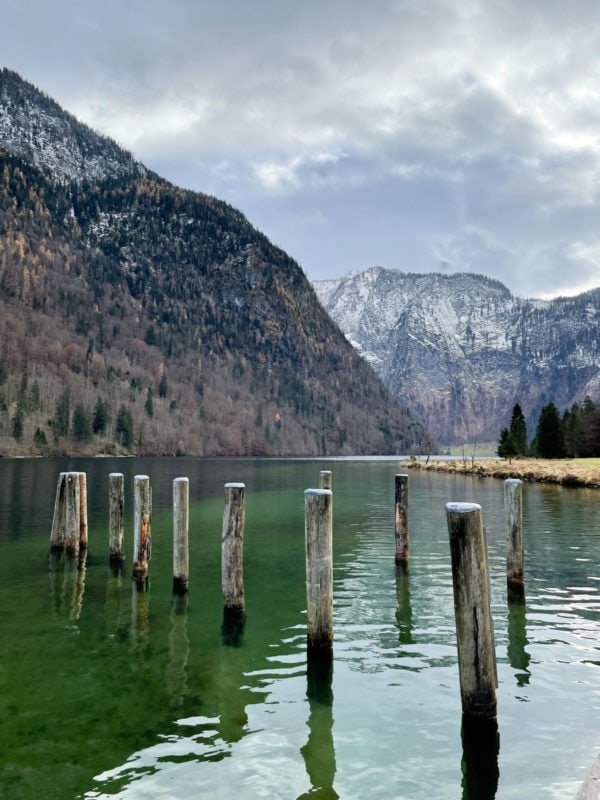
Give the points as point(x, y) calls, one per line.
point(106, 692)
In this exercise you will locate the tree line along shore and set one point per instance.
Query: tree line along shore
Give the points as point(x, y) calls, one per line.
point(572, 472)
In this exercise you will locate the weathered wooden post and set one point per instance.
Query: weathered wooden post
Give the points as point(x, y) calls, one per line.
point(142, 536)
point(318, 527)
point(116, 504)
point(83, 517)
point(401, 519)
point(181, 516)
point(325, 479)
point(472, 610)
point(513, 507)
point(59, 519)
point(72, 514)
point(232, 553)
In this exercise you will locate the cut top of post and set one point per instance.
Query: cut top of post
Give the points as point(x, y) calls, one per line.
point(235, 485)
point(317, 492)
point(513, 481)
point(181, 480)
point(141, 478)
point(462, 508)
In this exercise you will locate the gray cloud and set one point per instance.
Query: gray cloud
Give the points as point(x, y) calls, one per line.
point(415, 134)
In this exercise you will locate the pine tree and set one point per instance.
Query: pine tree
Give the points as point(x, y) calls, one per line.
point(124, 427)
point(101, 417)
point(62, 413)
point(162, 386)
point(518, 431)
point(506, 445)
point(82, 423)
point(549, 437)
point(149, 404)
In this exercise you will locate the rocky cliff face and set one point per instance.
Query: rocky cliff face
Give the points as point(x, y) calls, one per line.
point(461, 349)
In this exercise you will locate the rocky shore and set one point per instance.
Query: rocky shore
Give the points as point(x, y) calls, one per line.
point(566, 473)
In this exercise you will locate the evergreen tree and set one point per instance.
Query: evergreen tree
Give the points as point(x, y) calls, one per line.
point(82, 423)
point(149, 404)
point(573, 431)
point(101, 417)
point(518, 431)
point(62, 414)
point(506, 445)
point(39, 438)
point(124, 427)
point(162, 386)
point(549, 437)
point(17, 425)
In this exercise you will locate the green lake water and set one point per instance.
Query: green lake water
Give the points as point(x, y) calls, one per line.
point(106, 692)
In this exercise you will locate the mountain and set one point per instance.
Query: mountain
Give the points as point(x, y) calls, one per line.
point(136, 316)
point(461, 350)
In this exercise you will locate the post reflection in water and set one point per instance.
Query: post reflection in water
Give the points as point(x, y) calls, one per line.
point(517, 638)
point(140, 621)
point(179, 650)
point(232, 630)
point(67, 582)
point(319, 752)
point(404, 609)
point(481, 747)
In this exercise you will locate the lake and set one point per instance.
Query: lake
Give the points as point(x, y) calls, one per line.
point(107, 692)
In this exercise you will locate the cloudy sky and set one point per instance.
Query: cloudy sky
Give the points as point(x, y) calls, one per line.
point(421, 135)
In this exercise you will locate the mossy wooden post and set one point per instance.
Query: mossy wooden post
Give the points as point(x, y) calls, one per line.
point(73, 514)
point(472, 610)
point(59, 519)
point(401, 519)
point(181, 516)
point(232, 552)
point(318, 526)
point(514, 520)
point(142, 536)
point(116, 504)
point(83, 517)
point(325, 479)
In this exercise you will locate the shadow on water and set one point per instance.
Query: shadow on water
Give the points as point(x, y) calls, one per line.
point(481, 747)
point(319, 752)
point(518, 656)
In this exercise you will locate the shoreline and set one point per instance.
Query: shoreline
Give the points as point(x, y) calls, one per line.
point(563, 473)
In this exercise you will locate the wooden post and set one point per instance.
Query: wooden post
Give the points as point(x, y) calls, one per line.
point(142, 536)
point(232, 552)
point(514, 520)
point(59, 519)
point(116, 503)
point(83, 517)
point(472, 610)
point(325, 479)
point(181, 495)
point(73, 513)
point(318, 527)
point(401, 526)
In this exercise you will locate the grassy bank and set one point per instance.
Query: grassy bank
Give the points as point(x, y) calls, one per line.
point(574, 472)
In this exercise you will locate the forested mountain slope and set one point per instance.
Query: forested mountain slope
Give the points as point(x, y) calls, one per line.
point(136, 316)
